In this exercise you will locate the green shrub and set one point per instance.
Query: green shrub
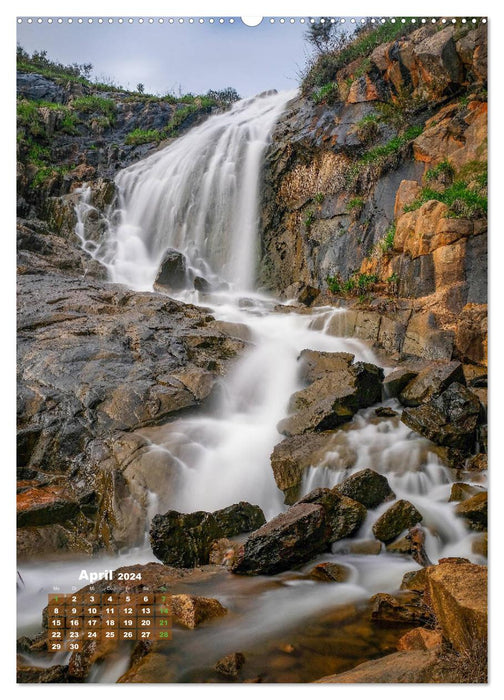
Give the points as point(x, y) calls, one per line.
point(334, 285)
point(328, 93)
point(349, 285)
point(94, 103)
point(139, 136)
point(387, 243)
point(393, 146)
point(323, 67)
point(355, 205)
point(309, 219)
point(399, 111)
point(443, 172)
point(46, 173)
point(319, 197)
point(364, 281)
point(462, 200)
point(68, 124)
point(367, 128)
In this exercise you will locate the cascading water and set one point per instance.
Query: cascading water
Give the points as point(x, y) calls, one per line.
point(200, 196)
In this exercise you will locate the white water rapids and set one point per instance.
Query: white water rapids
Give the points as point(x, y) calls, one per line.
point(200, 195)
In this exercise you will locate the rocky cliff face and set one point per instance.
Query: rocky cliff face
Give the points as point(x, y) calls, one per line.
point(70, 133)
point(96, 362)
point(381, 195)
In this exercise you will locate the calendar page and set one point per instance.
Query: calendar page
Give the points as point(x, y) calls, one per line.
point(252, 349)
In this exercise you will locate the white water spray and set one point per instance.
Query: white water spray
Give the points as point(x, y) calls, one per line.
point(199, 195)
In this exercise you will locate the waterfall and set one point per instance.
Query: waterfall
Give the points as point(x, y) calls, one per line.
point(199, 195)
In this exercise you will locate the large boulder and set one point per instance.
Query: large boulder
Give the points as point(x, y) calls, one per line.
point(405, 608)
point(315, 364)
point(330, 572)
point(419, 638)
point(396, 381)
point(458, 593)
point(401, 667)
point(333, 399)
point(192, 610)
point(431, 382)
point(343, 515)
point(308, 528)
point(475, 511)
point(172, 271)
point(399, 517)
point(438, 62)
point(461, 492)
point(186, 539)
point(96, 362)
point(367, 487)
point(238, 518)
point(294, 455)
point(450, 420)
point(289, 539)
point(45, 505)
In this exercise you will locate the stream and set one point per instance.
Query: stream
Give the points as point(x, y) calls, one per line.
point(200, 196)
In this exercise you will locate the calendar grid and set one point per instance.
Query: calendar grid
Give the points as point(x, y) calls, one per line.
point(74, 619)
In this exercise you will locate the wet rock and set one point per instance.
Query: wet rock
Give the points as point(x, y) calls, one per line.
point(471, 337)
point(401, 516)
point(385, 412)
point(480, 545)
point(333, 399)
point(308, 295)
point(186, 539)
point(431, 382)
point(458, 596)
point(172, 272)
point(230, 665)
point(45, 506)
point(238, 518)
point(396, 381)
point(343, 515)
point(450, 420)
point(93, 651)
point(315, 364)
point(400, 546)
point(36, 674)
point(330, 572)
point(191, 610)
point(401, 667)
point(97, 361)
point(474, 511)
point(367, 487)
point(461, 492)
point(33, 86)
point(154, 667)
point(420, 639)
point(414, 580)
point(405, 609)
point(202, 285)
point(289, 539)
point(291, 457)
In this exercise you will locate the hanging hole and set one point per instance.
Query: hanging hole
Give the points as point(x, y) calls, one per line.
point(251, 21)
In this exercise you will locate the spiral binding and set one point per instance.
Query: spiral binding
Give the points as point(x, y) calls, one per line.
point(232, 20)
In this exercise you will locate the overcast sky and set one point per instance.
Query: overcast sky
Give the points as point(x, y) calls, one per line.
point(196, 57)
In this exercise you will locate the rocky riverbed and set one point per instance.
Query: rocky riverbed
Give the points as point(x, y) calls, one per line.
point(309, 475)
